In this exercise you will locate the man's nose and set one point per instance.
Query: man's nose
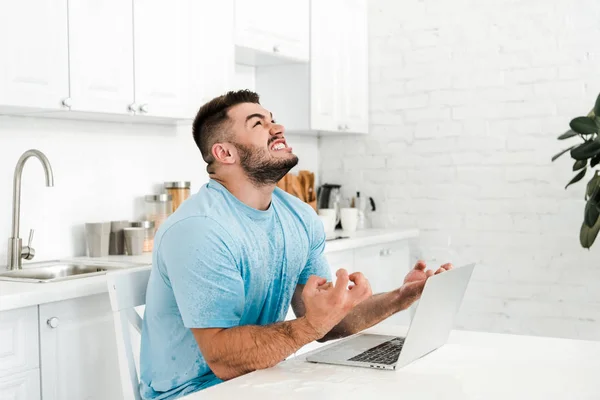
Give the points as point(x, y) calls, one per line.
point(276, 129)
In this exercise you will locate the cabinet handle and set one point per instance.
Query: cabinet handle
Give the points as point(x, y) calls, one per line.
point(67, 102)
point(132, 107)
point(276, 48)
point(385, 252)
point(340, 127)
point(346, 127)
point(144, 108)
point(53, 322)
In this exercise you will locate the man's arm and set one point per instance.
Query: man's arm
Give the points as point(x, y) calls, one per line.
point(378, 307)
point(236, 351)
point(231, 352)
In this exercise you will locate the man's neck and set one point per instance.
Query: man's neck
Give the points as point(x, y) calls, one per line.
point(258, 197)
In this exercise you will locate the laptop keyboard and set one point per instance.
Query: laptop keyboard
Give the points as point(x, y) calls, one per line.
point(385, 353)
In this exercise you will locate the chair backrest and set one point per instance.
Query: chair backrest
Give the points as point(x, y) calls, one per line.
point(127, 290)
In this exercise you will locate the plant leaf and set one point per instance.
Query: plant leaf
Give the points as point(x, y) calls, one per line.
point(579, 165)
point(586, 150)
point(592, 187)
point(591, 213)
point(595, 160)
point(568, 134)
point(577, 177)
point(584, 125)
point(587, 235)
point(597, 107)
point(561, 153)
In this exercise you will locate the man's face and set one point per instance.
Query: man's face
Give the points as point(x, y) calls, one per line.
point(263, 151)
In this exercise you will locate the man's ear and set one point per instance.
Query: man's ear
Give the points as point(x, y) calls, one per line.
point(224, 153)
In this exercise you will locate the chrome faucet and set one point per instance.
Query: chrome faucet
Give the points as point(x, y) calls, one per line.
point(16, 251)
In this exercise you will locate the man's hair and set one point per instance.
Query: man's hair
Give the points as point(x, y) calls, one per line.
point(210, 124)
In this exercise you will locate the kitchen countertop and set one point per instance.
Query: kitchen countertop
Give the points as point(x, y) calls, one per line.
point(16, 295)
point(472, 365)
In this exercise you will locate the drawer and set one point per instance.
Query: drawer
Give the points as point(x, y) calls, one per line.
point(21, 386)
point(19, 342)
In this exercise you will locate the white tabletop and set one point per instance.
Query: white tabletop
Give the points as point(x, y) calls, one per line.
point(472, 365)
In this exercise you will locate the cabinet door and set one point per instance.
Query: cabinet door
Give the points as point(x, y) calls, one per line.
point(22, 386)
point(19, 343)
point(101, 55)
point(34, 70)
point(325, 64)
point(78, 350)
point(341, 259)
point(212, 34)
point(385, 266)
point(162, 57)
point(354, 61)
point(273, 26)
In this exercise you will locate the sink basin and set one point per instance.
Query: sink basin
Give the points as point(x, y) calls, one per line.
point(57, 272)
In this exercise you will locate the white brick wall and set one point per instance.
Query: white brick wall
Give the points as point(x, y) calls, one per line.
point(466, 100)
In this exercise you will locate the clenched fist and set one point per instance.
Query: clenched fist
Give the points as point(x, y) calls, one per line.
point(327, 304)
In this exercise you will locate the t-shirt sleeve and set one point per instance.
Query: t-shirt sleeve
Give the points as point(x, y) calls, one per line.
point(317, 262)
point(198, 256)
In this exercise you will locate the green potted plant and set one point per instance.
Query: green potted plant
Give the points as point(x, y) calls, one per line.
point(586, 155)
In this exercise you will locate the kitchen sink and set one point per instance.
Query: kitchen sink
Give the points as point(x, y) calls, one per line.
point(58, 272)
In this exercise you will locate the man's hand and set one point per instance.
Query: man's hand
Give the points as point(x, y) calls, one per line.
point(326, 305)
point(414, 282)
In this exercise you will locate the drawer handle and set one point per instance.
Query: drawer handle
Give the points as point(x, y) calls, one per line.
point(53, 322)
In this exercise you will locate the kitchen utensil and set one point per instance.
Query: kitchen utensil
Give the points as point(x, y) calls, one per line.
point(134, 240)
point(149, 232)
point(117, 237)
point(180, 191)
point(349, 219)
point(97, 237)
point(328, 223)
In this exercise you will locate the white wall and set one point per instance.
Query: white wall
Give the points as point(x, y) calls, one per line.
point(467, 98)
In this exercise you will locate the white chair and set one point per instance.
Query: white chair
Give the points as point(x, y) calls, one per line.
point(127, 290)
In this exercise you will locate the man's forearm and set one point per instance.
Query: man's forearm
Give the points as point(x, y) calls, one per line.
point(239, 350)
point(368, 313)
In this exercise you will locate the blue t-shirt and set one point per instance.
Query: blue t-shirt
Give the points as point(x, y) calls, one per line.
point(218, 263)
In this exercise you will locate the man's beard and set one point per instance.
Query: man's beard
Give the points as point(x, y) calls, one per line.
point(262, 169)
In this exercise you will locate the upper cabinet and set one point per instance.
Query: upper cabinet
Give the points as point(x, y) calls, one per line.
point(114, 59)
point(212, 50)
point(275, 28)
point(34, 70)
point(100, 56)
point(162, 57)
point(330, 93)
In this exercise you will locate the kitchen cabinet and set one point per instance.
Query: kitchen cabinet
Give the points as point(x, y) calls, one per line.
point(162, 58)
point(100, 56)
point(22, 386)
point(331, 91)
point(115, 60)
point(18, 340)
point(271, 27)
point(213, 36)
point(34, 71)
point(78, 350)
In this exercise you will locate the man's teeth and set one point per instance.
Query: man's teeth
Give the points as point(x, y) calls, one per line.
point(279, 146)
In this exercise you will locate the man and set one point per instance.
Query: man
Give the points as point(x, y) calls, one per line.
point(228, 263)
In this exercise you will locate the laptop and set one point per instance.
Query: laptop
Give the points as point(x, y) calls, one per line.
point(429, 329)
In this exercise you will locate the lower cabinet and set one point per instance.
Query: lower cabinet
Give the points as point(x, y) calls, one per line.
point(21, 386)
point(78, 352)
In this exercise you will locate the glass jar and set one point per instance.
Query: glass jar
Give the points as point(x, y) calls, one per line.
point(149, 231)
point(158, 208)
point(180, 191)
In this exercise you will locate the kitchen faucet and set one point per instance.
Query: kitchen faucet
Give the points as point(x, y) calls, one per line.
point(16, 251)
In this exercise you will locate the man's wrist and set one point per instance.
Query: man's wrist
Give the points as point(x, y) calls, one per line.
point(304, 332)
point(402, 298)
